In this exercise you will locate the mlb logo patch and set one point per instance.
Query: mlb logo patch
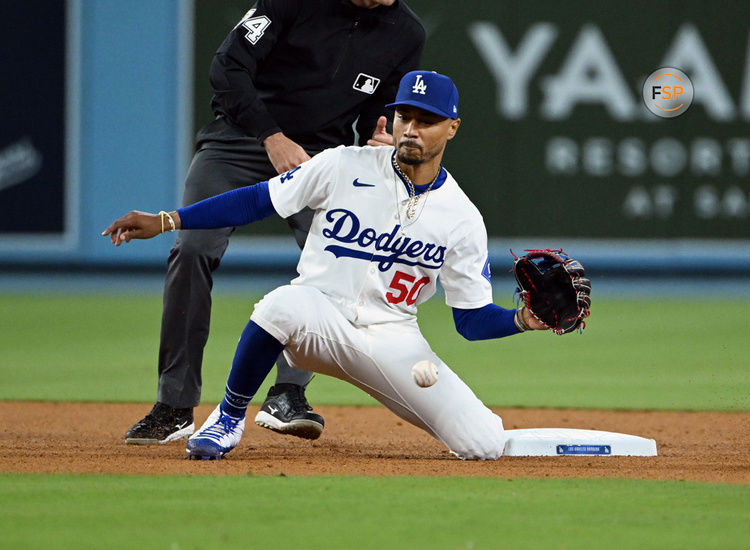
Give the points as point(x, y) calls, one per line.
point(366, 83)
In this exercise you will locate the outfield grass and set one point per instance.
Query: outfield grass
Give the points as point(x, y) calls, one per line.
point(683, 355)
point(665, 355)
point(84, 511)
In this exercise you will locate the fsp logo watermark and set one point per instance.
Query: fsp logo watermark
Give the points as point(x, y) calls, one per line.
point(668, 92)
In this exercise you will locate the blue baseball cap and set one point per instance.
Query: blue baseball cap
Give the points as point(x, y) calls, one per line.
point(430, 91)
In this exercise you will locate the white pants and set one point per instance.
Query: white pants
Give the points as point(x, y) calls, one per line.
point(378, 359)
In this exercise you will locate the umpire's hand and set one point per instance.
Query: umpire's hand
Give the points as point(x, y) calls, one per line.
point(284, 153)
point(141, 225)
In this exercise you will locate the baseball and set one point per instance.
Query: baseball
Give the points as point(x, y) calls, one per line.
point(424, 373)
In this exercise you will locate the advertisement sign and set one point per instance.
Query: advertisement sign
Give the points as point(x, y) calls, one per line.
point(562, 142)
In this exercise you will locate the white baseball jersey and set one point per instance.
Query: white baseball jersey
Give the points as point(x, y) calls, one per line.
point(362, 251)
point(365, 267)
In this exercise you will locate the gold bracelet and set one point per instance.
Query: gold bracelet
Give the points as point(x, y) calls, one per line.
point(166, 215)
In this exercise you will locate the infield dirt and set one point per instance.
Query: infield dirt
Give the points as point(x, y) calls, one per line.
point(88, 438)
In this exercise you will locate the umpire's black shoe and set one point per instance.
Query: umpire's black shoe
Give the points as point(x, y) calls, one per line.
point(286, 411)
point(162, 425)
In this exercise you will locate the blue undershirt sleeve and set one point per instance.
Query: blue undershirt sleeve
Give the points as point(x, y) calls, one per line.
point(231, 209)
point(484, 323)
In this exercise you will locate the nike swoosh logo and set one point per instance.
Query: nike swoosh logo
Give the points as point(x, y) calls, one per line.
point(358, 183)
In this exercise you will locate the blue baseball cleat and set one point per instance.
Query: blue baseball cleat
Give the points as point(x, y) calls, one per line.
point(219, 434)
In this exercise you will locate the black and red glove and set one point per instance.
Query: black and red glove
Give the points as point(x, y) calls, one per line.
point(553, 288)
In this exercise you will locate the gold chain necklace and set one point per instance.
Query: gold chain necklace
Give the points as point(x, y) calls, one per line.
point(411, 207)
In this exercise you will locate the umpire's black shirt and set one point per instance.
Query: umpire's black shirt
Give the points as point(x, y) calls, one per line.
point(309, 68)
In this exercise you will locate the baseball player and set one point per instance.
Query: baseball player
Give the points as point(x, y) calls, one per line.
point(388, 223)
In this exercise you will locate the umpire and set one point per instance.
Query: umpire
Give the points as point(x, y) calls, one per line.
point(291, 79)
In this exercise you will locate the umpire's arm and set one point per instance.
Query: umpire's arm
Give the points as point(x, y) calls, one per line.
point(235, 65)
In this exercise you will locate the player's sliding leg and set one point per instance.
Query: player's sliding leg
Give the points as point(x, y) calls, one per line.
point(448, 410)
point(256, 353)
point(451, 411)
point(378, 359)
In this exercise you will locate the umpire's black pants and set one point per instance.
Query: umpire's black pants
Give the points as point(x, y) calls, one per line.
point(224, 160)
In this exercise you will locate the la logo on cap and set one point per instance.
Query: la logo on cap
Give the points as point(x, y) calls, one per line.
point(419, 86)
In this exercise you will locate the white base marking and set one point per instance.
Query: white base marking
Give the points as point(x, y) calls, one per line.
point(568, 441)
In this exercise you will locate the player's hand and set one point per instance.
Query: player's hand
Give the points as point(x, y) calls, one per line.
point(380, 136)
point(530, 321)
point(137, 225)
point(283, 153)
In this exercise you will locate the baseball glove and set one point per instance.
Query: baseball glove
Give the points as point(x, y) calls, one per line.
point(553, 288)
